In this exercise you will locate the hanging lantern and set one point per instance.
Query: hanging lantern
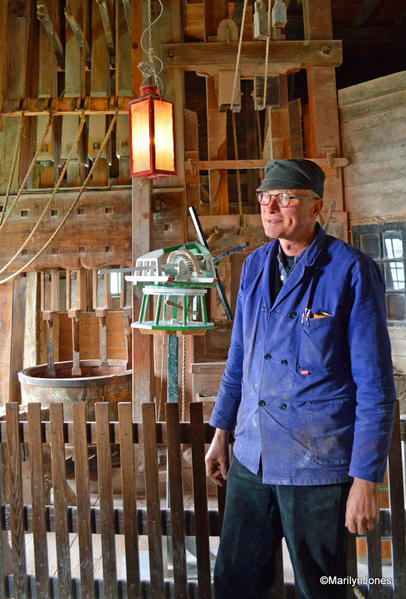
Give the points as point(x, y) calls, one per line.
point(152, 137)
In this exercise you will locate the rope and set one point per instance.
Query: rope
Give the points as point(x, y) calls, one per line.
point(74, 203)
point(268, 37)
point(240, 212)
point(237, 64)
point(13, 166)
point(41, 218)
point(20, 191)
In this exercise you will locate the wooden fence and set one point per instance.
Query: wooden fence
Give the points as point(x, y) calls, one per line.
point(34, 445)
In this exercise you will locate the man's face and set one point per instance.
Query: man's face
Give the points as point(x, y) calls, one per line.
point(294, 223)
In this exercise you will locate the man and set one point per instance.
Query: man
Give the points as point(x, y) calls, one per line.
point(309, 383)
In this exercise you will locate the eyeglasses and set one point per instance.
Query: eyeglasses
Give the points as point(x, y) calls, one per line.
point(282, 199)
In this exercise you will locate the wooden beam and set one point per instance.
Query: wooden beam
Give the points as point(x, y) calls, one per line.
point(277, 131)
point(30, 88)
point(317, 19)
point(207, 165)
point(283, 56)
point(323, 127)
point(214, 12)
point(364, 12)
point(61, 106)
point(17, 337)
point(217, 150)
point(3, 50)
point(142, 351)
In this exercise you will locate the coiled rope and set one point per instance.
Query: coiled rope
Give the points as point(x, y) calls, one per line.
point(20, 191)
point(74, 203)
point(41, 218)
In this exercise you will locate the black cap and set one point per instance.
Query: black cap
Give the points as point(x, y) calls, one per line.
point(296, 173)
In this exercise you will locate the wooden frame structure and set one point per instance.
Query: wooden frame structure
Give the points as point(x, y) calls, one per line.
point(26, 442)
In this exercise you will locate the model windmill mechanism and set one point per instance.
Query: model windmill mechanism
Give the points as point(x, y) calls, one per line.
point(179, 277)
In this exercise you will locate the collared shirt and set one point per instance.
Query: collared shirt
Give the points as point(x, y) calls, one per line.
point(284, 269)
point(309, 378)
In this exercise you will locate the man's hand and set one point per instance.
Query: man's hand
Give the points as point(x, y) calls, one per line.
point(362, 506)
point(216, 458)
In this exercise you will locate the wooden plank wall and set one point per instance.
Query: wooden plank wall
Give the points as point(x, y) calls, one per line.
point(89, 555)
point(373, 136)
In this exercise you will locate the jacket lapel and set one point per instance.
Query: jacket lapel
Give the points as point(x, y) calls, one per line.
point(270, 257)
point(303, 267)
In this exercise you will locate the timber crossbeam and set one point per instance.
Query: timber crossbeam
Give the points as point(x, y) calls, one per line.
point(64, 106)
point(283, 56)
point(218, 165)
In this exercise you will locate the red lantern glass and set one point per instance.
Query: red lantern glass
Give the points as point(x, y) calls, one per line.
point(152, 138)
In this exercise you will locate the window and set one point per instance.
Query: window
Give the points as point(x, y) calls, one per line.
point(386, 244)
point(115, 284)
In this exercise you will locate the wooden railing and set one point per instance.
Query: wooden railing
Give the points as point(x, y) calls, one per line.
point(39, 455)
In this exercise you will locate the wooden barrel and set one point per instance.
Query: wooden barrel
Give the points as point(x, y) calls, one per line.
point(112, 384)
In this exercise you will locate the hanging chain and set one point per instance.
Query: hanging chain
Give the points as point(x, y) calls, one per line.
point(147, 67)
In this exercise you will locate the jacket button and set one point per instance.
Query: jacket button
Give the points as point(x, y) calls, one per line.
point(263, 308)
point(261, 402)
point(283, 406)
point(267, 356)
point(292, 315)
point(284, 362)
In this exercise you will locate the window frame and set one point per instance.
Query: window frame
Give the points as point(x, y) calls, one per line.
point(379, 229)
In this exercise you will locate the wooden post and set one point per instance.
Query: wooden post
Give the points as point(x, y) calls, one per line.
point(143, 389)
point(99, 86)
point(324, 133)
point(277, 129)
point(30, 88)
point(73, 81)
point(217, 150)
point(214, 12)
point(12, 318)
point(3, 52)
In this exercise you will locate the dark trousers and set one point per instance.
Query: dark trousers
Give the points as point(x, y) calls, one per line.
point(257, 516)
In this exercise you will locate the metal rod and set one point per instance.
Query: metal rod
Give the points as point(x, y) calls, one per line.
point(219, 285)
point(230, 251)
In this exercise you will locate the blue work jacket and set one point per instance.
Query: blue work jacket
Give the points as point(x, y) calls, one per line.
point(309, 379)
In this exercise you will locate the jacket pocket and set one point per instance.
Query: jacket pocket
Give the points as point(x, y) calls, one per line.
point(320, 344)
point(330, 425)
